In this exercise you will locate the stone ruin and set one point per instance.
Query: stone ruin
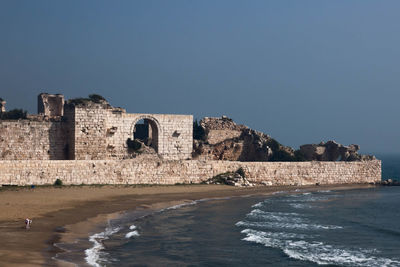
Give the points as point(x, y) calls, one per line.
point(51, 105)
point(2, 105)
point(225, 140)
point(91, 129)
point(332, 151)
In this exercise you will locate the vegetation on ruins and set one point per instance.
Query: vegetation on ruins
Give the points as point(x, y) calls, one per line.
point(58, 182)
point(97, 98)
point(94, 98)
point(14, 114)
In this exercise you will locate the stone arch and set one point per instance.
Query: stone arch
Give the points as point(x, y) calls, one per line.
point(155, 132)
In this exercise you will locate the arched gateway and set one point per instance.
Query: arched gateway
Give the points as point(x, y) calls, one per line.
point(147, 129)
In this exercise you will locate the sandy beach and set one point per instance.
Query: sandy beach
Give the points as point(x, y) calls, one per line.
point(64, 213)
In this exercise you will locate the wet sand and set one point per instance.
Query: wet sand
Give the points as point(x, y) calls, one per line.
point(65, 213)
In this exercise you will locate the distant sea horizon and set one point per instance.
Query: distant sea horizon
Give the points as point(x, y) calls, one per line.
point(390, 165)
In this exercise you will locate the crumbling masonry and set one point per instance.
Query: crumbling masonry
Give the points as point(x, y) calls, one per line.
point(87, 141)
point(91, 131)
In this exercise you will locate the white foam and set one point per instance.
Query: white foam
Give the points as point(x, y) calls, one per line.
point(321, 253)
point(317, 252)
point(305, 198)
point(300, 206)
point(303, 226)
point(181, 205)
point(259, 214)
point(257, 205)
point(280, 235)
point(133, 233)
point(190, 203)
point(132, 227)
point(325, 191)
point(279, 192)
point(278, 213)
point(94, 254)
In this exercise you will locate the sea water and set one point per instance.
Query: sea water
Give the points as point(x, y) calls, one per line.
point(298, 228)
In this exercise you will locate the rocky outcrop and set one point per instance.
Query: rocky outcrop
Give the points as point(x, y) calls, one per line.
point(223, 139)
point(226, 140)
point(332, 151)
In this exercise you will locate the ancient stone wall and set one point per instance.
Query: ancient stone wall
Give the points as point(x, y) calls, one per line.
point(102, 132)
point(139, 171)
point(28, 139)
point(173, 134)
point(90, 132)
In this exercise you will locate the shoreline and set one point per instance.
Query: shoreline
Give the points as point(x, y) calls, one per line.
point(59, 214)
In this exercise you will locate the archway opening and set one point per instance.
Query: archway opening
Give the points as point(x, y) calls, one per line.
point(146, 131)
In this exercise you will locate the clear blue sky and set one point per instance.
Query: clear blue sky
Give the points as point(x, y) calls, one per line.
point(301, 71)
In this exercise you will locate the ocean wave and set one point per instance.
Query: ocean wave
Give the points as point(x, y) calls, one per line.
point(305, 198)
point(279, 192)
point(133, 233)
point(262, 212)
point(321, 253)
point(280, 235)
point(258, 205)
point(190, 203)
point(95, 255)
point(274, 225)
point(316, 252)
point(258, 214)
point(300, 206)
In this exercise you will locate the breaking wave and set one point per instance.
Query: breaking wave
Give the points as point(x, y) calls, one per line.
point(315, 251)
point(94, 255)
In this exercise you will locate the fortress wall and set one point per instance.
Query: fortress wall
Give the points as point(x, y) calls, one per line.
point(28, 139)
point(90, 133)
point(174, 134)
point(102, 133)
point(139, 171)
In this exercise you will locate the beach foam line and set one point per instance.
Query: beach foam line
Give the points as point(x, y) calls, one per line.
point(193, 202)
point(94, 255)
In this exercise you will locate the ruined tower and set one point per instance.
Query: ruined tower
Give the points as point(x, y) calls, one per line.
point(2, 105)
point(51, 105)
